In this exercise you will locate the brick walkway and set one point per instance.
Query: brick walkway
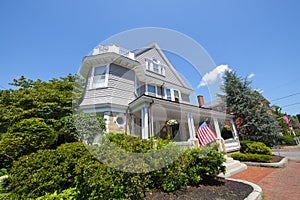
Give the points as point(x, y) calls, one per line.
point(277, 184)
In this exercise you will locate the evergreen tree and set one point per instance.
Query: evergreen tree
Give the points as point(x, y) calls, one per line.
point(254, 119)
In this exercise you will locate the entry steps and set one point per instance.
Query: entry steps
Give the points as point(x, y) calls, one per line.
point(232, 167)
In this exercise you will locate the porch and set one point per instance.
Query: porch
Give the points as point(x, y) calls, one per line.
point(149, 116)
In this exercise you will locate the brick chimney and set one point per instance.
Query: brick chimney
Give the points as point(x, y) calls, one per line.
point(200, 100)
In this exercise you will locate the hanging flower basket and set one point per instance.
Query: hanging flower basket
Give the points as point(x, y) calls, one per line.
point(172, 122)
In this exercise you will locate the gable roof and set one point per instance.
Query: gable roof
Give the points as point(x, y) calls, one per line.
point(154, 45)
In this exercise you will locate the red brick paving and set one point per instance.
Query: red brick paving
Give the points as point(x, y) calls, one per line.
point(277, 184)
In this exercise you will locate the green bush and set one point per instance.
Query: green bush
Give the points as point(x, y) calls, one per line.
point(68, 194)
point(239, 156)
point(244, 144)
point(53, 173)
point(297, 132)
point(203, 164)
point(287, 140)
point(251, 157)
point(258, 148)
point(135, 144)
point(3, 172)
point(24, 137)
point(47, 171)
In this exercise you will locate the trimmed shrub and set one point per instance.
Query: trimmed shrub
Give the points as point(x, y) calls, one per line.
point(239, 156)
point(251, 157)
point(258, 148)
point(244, 144)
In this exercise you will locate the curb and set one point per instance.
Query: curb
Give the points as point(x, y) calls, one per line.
point(257, 191)
point(281, 164)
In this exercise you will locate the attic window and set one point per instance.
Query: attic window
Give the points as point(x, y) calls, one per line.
point(155, 66)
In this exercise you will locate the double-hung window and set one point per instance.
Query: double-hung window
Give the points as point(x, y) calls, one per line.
point(151, 90)
point(168, 94)
point(99, 77)
point(172, 94)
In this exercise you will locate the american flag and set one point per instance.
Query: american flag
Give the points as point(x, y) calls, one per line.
point(287, 119)
point(205, 134)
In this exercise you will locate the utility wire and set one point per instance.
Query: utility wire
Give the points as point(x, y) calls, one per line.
point(290, 105)
point(286, 96)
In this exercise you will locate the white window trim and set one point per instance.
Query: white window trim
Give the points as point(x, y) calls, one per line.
point(165, 93)
point(106, 77)
point(150, 67)
point(147, 93)
point(172, 94)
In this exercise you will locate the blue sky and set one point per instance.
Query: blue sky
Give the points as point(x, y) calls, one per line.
point(47, 39)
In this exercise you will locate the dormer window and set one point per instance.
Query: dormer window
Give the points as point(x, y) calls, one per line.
point(99, 77)
point(155, 66)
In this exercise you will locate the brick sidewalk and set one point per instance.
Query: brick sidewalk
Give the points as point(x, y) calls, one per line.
point(277, 184)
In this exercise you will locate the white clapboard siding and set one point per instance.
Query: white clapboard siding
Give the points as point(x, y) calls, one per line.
point(169, 74)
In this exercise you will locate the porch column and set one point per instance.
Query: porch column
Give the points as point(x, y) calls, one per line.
point(145, 123)
point(193, 140)
point(217, 127)
point(220, 140)
point(132, 131)
point(191, 127)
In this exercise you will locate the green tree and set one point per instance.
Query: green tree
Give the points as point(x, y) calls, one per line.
point(252, 110)
point(50, 100)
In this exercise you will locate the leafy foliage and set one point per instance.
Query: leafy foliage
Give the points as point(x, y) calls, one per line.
point(287, 140)
point(3, 171)
point(254, 151)
point(251, 157)
point(25, 137)
point(67, 194)
point(258, 148)
point(89, 126)
point(244, 145)
point(56, 173)
point(251, 109)
point(50, 100)
point(82, 126)
point(47, 171)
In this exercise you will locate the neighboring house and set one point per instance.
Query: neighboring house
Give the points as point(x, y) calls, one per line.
point(138, 92)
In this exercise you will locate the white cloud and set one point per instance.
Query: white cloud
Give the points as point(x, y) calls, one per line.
point(212, 76)
point(250, 75)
